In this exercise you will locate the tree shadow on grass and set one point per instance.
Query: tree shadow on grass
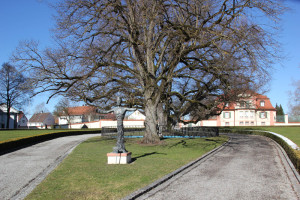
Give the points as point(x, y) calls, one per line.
point(146, 154)
point(99, 139)
point(182, 142)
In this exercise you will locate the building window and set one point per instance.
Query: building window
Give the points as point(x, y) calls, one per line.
point(263, 123)
point(263, 115)
point(227, 115)
point(246, 114)
point(252, 123)
point(241, 114)
point(262, 103)
point(226, 123)
point(241, 123)
point(247, 123)
point(252, 114)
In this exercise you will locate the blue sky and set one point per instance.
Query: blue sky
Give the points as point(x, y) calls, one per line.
point(32, 19)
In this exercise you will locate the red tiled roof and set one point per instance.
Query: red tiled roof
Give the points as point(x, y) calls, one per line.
point(81, 110)
point(39, 117)
point(20, 114)
point(258, 98)
point(267, 106)
point(86, 110)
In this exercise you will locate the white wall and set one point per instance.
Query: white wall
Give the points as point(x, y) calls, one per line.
point(137, 115)
point(209, 122)
point(72, 119)
point(108, 123)
point(23, 121)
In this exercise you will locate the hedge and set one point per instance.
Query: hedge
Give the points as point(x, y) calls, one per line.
point(295, 159)
point(18, 143)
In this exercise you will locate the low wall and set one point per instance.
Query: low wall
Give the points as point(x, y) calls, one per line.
point(106, 123)
point(287, 124)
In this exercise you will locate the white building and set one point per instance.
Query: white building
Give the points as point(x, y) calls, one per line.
point(22, 120)
point(137, 115)
point(13, 120)
point(41, 120)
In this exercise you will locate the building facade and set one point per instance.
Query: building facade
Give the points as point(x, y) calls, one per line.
point(251, 110)
point(82, 114)
point(13, 119)
point(41, 121)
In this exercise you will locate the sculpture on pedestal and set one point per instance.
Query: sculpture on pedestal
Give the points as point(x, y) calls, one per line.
point(120, 112)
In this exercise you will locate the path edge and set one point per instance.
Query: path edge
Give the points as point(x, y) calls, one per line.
point(167, 177)
point(33, 183)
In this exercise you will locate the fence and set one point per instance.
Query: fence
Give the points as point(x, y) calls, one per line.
point(164, 131)
point(280, 118)
point(197, 131)
point(128, 130)
point(294, 118)
point(288, 118)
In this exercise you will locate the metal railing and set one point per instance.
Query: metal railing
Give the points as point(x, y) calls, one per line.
point(165, 131)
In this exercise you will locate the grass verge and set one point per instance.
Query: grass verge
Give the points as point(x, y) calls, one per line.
point(37, 137)
point(84, 174)
point(6, 135)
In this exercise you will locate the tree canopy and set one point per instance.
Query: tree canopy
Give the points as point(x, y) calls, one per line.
point(14, 88)
point(179, 57)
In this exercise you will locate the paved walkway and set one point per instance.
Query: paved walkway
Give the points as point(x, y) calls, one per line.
point(21, 171)
point(248, 167)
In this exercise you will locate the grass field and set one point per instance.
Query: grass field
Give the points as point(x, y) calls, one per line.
point(85, 174)
point(293, 133)
point(15, 134)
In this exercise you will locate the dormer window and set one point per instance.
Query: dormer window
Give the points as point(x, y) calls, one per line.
point(262, 103)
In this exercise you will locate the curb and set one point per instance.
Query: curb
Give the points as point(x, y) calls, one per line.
point(153, 185)
point(30, 186)
point(289, 162)
point(291, 171)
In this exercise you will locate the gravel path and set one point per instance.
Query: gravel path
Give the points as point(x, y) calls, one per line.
point(248, 167)
point(21, 171)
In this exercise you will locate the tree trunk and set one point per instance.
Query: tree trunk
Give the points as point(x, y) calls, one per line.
point(151, 134)
point(7, 116)
point(162, 119)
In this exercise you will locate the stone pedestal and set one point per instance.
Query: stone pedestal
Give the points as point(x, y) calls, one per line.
point(119, 158)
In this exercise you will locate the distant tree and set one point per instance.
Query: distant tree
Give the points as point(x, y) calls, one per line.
point(279, 113)
point(295, 100)
point(279, 110)
point(15, 88)
point(169, 56)
point(61, 109)
point(41, 108)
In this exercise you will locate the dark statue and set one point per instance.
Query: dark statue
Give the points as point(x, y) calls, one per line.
point(120, 114)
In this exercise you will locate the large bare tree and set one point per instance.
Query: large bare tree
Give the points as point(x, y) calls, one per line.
point(14, 88)
point(294, 102)
point(175, 56)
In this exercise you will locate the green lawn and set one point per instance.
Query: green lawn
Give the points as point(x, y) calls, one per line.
point(15, 134)
point(293, 133)
point(85, 174)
